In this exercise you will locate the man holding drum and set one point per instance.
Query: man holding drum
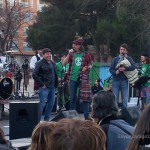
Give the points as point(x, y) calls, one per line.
point(119, 79)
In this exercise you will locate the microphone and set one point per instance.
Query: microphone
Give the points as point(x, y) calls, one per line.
point(71, 51)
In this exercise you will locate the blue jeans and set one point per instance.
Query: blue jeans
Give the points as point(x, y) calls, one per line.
point(86, 106)
point(122, 86)
point(46, 95)
point(73, 88)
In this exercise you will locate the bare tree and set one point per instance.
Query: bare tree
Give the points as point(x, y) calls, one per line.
point(12, 17)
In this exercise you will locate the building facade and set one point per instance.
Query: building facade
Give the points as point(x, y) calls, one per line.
point(30, 9)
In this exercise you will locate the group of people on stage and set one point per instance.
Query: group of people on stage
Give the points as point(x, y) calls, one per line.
point(74, 69)
point(47, 75)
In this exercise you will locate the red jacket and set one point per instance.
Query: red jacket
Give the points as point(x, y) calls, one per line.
point(9, 74)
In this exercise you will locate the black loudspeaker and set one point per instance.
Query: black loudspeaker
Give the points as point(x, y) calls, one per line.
point(131, 114)
point(79, 106)
point(66, 114)
point(24, 116)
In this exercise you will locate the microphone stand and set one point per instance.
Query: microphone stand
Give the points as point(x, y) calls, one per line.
point(61, 91)
point(16, 94)
point(13, 68)
point(24, 72)
point(101, 82)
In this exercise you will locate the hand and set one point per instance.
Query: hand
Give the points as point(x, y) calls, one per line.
point(71, 51)
point(84, 68)
point(59, 79)
point(117, 72)
point(90, 66)
point(44, 86)
point(121, 69)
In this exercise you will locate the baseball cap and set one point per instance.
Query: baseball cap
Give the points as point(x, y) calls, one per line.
point(45, 50)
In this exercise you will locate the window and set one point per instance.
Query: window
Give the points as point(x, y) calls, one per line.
point(11, 1)
point(28, 16)
point(13, 46)
point(26, 47)
point(25, 1)
point(41, 2)
point(25, 31)
point(17, 33)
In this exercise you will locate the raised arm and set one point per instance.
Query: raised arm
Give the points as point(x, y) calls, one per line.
point(66, 60)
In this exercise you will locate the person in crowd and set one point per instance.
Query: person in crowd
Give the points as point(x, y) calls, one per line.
point(145, 72)
point(108, 84)
point(18, 79)
point(105, 113)
point(79, 65)
point(96, 87)
point(33, 62)
point(119, 80)
point(75, 134)
point(45, 76)
point(141, 136)
point(26, 73)
point(40, 139)
point(4, 143)
point(9, 74)
point(36, 58)
point(62, 87)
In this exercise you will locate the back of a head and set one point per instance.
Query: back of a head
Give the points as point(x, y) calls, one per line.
point(3, 141)
point(141, 135)
point(104, 104)
point(74, 134)
point(2, 137)
point(41, 136)
point(144, 120)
